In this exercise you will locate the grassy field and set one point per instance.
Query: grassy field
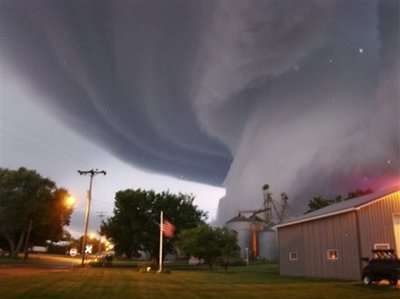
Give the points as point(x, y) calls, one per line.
point(125, 281)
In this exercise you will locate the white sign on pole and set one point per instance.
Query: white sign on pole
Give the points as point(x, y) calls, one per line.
point(89, 249)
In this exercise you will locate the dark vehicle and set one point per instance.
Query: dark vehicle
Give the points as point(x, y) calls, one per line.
point(384, 265)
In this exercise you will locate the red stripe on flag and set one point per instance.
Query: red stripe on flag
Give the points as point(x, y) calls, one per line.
point(168, 229)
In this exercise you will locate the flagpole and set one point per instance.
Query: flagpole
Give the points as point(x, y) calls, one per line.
point(161, 241)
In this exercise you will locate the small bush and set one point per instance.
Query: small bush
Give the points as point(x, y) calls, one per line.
point(148, 266)
point(103, 261)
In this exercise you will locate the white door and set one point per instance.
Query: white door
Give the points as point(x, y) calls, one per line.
point(396, 222)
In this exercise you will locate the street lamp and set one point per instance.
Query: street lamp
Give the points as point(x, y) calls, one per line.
point(101, 240)
point(70, 201)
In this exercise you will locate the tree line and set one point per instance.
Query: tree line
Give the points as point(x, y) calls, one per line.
point(33, 210)
point(320, 202)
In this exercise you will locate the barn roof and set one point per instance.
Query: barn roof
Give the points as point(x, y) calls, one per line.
point(341, 207)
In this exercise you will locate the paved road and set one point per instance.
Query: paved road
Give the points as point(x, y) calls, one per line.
point(39, 263)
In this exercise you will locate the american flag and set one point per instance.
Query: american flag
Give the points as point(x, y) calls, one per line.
point(168, 229)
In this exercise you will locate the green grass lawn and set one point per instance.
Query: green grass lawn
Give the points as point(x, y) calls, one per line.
point(254, 281)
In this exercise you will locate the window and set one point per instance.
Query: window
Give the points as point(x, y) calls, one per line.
point(293, 256)
point(332, 254)
point(381, 246)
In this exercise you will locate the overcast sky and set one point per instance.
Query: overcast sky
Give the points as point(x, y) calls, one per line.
point(203, 97)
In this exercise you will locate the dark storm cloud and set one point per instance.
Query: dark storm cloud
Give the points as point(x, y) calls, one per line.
point(120, 73)
point(302, 95)
point(331, 123)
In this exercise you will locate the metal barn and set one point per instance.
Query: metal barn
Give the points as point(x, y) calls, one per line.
point(331, 241)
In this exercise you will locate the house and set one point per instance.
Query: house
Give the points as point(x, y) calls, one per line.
point(330, 242)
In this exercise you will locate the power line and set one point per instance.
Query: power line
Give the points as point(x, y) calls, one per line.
point(58, 150)
point(34, 149)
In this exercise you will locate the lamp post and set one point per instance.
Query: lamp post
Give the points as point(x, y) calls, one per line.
point(99, 250)
point(69, 202)
point(92, 173)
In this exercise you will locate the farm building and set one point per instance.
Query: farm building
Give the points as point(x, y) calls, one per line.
point(256, 239)
point(241, 225)
point(330, 242)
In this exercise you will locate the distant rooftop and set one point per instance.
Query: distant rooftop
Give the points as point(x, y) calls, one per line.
point(242, 218)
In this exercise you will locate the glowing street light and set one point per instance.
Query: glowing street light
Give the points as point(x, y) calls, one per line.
point(70, 201)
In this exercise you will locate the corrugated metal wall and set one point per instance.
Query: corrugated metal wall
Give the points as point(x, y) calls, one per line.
point(376, 223)
point(313, 239)
point(290, 239)
point(243, 230)
point(268, 245)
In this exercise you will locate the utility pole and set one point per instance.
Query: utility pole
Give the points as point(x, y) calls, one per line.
point(92, 173)
point(101, 215)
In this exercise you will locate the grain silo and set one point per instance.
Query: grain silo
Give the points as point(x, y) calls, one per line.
point(241, 225)
point(268, 244)
point(256, 236)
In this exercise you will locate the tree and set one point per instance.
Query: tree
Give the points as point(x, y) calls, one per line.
point(229, 249)
point(27, 200)
point(359, 192)
point(319, 202)
point(135, 223)
point(210, 244)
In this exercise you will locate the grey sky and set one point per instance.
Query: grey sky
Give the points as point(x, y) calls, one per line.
point(302, 95)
